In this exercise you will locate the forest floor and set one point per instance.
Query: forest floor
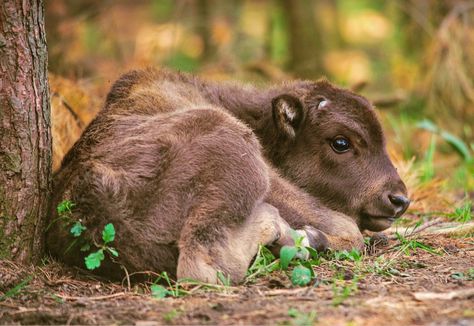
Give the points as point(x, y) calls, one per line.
point(424, 279)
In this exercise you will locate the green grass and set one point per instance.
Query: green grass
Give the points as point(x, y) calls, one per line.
point(463, 213)
point(159, 291)
point(352, 255)
point(301, 318)
point(17, 288)
point(264, 263)
point(464, 276)
point(164, 286)
point(342, 290)
point(427, 164)
point(350, 267)
point(172, 314)
point(458, 145)
point(409, 246)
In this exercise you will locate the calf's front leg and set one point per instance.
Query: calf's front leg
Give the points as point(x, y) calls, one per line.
point(324, 227)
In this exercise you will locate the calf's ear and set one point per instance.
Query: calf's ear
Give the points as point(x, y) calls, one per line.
point(288, 115)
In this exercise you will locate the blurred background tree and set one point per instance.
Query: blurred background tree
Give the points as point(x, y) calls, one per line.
point(413, 58)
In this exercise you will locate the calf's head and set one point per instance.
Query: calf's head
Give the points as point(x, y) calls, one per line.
point(332, 145)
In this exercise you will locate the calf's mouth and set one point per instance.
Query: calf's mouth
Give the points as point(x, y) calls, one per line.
point(395, 207)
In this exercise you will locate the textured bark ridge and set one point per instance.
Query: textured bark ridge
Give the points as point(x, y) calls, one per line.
point(25, 139)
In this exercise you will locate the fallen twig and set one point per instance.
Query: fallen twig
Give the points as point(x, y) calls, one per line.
point(455, 229)
point(458, 294)
point(127, 277)
point(100, 297)
point(415, 231)
point(284, 292)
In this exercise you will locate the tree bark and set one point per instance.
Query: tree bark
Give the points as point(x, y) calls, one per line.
point(25, 138)
point(305, 39)
point(204, 28)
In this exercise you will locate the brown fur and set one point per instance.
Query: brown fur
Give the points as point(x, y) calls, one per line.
point(188, 171)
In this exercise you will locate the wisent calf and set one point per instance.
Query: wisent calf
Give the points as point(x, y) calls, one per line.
point(194, 175)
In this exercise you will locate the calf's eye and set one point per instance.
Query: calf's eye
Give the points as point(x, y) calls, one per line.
point(340, 144)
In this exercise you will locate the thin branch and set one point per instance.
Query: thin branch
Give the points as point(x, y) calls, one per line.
point(96, 298)
point(418, 230)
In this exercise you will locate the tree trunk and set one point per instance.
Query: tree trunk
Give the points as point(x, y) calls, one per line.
point(305, 39)
point(25, 138)
point(204, 28)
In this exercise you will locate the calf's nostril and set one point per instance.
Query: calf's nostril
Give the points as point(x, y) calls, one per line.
point(401, 202)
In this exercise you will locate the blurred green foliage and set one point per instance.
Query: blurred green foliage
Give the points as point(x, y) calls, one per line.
point(419, 49)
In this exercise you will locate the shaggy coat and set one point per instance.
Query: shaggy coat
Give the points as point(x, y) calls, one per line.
point(194, 175)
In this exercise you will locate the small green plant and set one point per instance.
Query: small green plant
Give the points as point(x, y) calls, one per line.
point(17, 288)
point(464, 276)
point(302, 318)
point(427, 167)
point(158, 291)
point(410, 246)
point(164, 287)
point(77, 229)
point(343, 289)
point(383, 266)
point(225, 280)
point(354, 255)
point(298, 254)
point(455, 142)
point(94, 259)
point(464, 176)
point(171, 315)
point(65, 208)
point(470, 274)
point(288, 253)
point(463, 213)
point(264, 263)
point(301, 275)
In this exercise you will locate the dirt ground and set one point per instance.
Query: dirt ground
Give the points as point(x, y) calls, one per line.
point(386, 292)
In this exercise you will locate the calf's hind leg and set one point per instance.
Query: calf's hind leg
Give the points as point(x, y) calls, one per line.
point(233, 252)
point(227, 219)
